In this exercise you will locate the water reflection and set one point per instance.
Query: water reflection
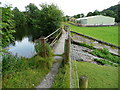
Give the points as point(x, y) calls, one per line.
point(23, 48)
point(24, 45)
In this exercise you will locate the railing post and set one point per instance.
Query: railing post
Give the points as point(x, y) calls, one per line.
point(83, 82)
point(44, 48)
point(67, 50)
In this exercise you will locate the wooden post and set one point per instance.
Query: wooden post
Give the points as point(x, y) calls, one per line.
point(44, 48)
point(83, 82)
point(67, 50)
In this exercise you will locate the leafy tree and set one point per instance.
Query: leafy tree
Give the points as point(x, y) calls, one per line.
point(7, 26)
point(50, 18)
point(90, 14)
point(96, 12)
point(78, 15)
point(82, 15)
point(19, 17)
point(32, 14)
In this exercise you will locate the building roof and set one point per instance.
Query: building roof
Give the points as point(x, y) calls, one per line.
point(93, 17)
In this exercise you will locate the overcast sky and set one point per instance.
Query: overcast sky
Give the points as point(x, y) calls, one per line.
point(69, 7)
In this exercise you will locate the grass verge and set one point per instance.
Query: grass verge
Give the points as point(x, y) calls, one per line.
point(99, 76)
point(62, 79)
point(24, 73)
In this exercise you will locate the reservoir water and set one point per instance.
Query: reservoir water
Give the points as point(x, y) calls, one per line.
point(23, 46)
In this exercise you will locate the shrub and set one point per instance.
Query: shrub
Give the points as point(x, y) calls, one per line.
point(12, 64)
point(40, 62)
point(39, 49)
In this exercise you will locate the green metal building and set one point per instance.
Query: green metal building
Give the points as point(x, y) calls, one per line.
point(96, 20)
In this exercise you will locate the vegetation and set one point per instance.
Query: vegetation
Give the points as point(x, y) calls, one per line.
point(19, 17)
point(7, 26)
point(107, 34)
point(23, 73)
point(62, 80)
point(86, 45)
point(52, 20)
point(39, 49)
point(104, 53)
point(37, 18)
point(105, 62)
point(99, 76)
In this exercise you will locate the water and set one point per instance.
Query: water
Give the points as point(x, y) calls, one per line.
point(23, 48)
point(24, 42)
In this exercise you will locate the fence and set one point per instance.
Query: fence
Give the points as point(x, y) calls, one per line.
point(52, 43)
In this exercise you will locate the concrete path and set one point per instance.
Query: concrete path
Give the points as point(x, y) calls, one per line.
point(49, 78)
point(60, 46)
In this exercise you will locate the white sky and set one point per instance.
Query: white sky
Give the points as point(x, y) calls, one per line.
point(69, 7)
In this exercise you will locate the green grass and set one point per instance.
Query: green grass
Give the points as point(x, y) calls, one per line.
point(104, 53)
point(99, 76)
point(107, 34)
point(24, 73)
point(105, 62)
point(29, 78)
point(62, 80)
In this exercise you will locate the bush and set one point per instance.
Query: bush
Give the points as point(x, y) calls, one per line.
point(40, 62)
point(12, 64)
point(39, 49)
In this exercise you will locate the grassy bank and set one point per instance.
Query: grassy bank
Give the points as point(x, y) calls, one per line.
point(107, 34)
point(24, 73)
point(62, 80)
point(99, 76)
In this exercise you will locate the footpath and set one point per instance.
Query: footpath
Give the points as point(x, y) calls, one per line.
point(59, 49)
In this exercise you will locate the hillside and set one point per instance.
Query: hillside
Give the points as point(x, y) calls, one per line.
point(113, 8)
point(113, 11)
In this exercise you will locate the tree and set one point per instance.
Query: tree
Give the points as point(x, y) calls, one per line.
point(32, 14)
point(19, 17)
point(7, 26)
point(82, 15)
point(90, 14)
point(96, 12)
point(78, 15)
point(50, 18)
point(75, 16)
